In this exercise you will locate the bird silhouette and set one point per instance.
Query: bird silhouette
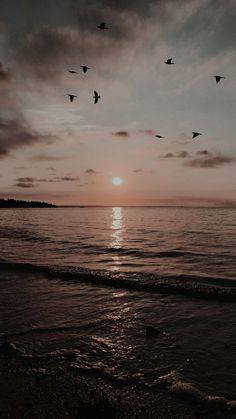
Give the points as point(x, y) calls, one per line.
point(85, 68)
point(218, 78)
point(103, 26)
point(96, 96)
point(72, 97)
point(159, 136)
point(169, 61)
point(195, 134)
point(73, 72)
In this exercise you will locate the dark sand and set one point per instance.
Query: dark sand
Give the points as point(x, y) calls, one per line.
point(33, 387)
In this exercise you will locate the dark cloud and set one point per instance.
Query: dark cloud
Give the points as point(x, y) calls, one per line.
point(203, 153)
point(42, 52)
point(147, 131)
point(90, 172)
point(180, 154)
point(31, 182)
point(46, 51)
point(209, 162)
point(168, 156)
point(26, 182)
point(15, 133)
point(67, 179)
point(138, 171)
point(4, 74)
point(121, 134)
point(183, 154)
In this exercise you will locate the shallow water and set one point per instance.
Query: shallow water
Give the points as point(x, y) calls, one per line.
point(104, 330)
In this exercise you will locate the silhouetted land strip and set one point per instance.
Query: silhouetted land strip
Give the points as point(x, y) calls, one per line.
point(13, 203)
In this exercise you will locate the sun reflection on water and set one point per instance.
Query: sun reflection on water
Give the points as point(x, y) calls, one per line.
point(116, 235)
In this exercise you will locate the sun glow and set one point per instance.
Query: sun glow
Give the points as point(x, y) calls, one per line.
point(117, 181)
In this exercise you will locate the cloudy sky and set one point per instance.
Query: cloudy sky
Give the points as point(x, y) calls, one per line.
point(68, 153)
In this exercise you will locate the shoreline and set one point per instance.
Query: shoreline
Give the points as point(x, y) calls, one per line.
point(32, 388)
point(76, 350)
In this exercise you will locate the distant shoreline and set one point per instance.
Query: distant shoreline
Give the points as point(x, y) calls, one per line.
point(14, 203)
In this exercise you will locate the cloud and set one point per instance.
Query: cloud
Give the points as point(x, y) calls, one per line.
point(67, 179)
point(15, 134)
point(180, 154)
point(183, 154)
point(121, 134)
point(168, 156)
point(138, 171)
point(31, 182)
point(51, 169)
point(46, 157)
point(203, 153)
point(147, 131)
point(26, 182)
point(209, 162)
point(4, 74)
point(42, 51)
point(90, 172)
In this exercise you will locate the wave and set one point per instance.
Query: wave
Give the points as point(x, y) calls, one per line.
point(197, 286)
point(176, 384)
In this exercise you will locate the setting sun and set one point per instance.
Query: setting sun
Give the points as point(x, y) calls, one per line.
point(117, 181)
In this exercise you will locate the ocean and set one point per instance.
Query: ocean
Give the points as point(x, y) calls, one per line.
point(88, 282)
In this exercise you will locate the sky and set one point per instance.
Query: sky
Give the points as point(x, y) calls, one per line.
point(69, 153)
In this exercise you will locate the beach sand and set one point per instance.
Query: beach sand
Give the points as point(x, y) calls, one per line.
point(33, 388)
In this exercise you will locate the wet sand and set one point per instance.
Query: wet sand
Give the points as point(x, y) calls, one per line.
point(32, 388)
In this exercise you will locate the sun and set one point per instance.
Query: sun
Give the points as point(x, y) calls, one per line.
point(117, 181)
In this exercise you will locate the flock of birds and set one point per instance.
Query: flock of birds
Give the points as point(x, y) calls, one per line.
point(96, 96)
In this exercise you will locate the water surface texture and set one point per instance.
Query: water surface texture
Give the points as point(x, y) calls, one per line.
point(160, 241)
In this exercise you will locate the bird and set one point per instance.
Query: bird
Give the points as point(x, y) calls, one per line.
point(218, 78)
point(169, 61)
point(73, 72)
point(102, 26)
point(85, 68)
point(72, 97)
point(96, 96)
point(159, 136)
point(195, 134)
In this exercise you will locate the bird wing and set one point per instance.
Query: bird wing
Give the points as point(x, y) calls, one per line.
point(96, 96)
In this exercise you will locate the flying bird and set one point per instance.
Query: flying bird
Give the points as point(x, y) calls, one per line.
point(96, 96)
point(195, 134)
point(169, 61)
point(159, 136)
point(73, 72)
point(218, 78)
point(72, 97)
point(85, 68)
point(103, 26)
